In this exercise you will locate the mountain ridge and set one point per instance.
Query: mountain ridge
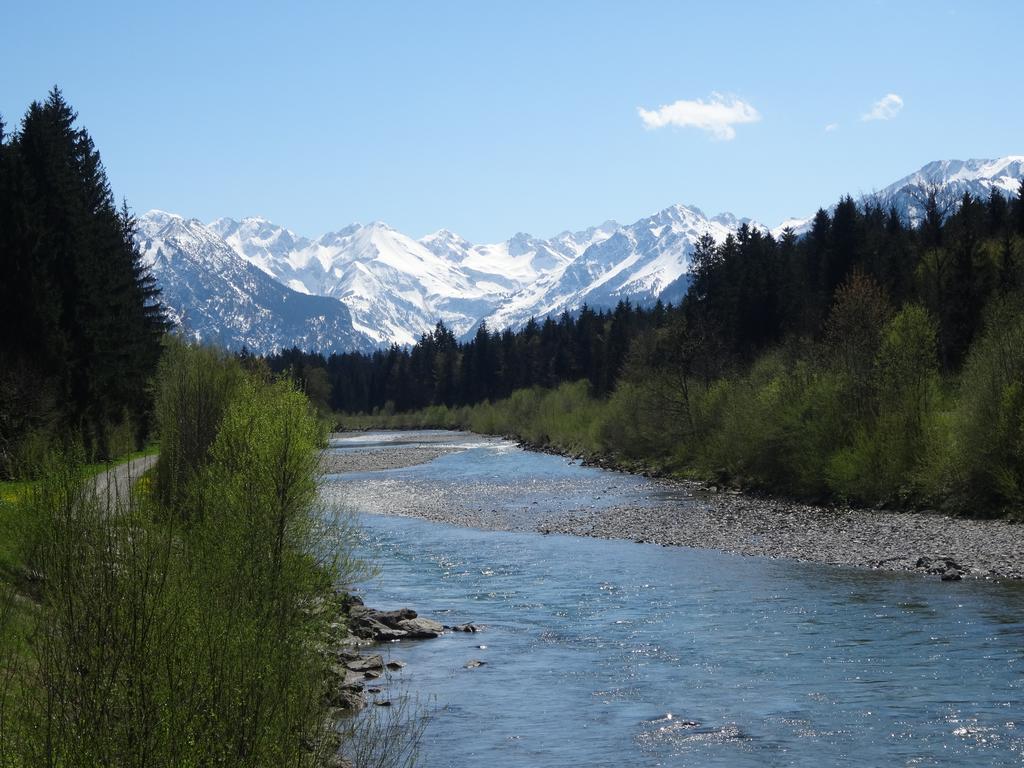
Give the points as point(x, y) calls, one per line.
point(392, 287)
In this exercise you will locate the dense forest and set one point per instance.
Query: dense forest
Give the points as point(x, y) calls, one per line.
point(80, 317)
point(870, 359)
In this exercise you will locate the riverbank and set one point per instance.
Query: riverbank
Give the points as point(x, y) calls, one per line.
point(696, 515)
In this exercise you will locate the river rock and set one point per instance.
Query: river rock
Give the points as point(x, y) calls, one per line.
point(474, 663)
point(368, 663)
point(394, 618)
point(345, 691)
point(382, 633)
point(395, 665)
point(343, 677)
point(366, 627)
point(467, 628)
point(952, 575)
point(420, 628)
point(358, 611)
point(346, 654)
point(346, 700)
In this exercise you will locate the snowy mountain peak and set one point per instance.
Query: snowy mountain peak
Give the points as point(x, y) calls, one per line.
point(954, 177)
point(154, 220)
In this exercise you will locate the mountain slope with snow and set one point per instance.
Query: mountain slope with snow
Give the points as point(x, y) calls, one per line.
point(637, 262)
point(254, 282)
point(215, 296)
point(950, 179)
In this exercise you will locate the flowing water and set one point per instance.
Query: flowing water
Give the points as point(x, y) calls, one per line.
point(613, 653)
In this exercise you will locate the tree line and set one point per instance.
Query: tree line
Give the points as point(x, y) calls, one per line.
point(440, 370)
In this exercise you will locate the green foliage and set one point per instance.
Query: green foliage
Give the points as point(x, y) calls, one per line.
point(989, 427)
point(169, 639)
point(772, 428)
point(883, 462)
point(194, 388)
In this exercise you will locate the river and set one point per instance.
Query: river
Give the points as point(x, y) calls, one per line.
point(614, 653)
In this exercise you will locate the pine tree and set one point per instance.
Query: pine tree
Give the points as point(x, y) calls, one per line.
point(1018, 209)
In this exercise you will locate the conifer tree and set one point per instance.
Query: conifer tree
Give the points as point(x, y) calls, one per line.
point(79, 309)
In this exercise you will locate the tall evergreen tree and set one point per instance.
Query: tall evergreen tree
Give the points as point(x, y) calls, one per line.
point(80, 311)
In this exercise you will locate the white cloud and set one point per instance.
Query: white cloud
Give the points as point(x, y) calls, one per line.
point(886, 108)
point(831, 127)
point(717, 116)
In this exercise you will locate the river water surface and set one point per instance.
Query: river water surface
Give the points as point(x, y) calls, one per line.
point(615, 653)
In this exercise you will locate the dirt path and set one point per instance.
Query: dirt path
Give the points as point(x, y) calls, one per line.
point(114, 484)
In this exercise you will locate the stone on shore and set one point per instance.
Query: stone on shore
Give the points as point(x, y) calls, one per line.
point(366, 663)
point(420, 628)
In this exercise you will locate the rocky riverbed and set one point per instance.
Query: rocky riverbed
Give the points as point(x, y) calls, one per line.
point(679, 513)
point(360, 674)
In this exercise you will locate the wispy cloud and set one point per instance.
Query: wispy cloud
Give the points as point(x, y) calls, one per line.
point(886, 108)
point(831, 127)
point(717, 116)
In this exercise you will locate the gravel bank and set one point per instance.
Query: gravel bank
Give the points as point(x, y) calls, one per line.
point(927, 543)
point(687, 514)
point(376, 459)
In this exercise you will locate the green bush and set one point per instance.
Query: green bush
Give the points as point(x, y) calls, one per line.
point(989, 426)
point(773, 428)
point(883, 463)
point(194, 387)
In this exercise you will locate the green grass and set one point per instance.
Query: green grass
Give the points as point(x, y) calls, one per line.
point(12, 527)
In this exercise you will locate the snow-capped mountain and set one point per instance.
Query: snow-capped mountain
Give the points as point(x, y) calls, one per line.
point(214, 295)
point(257, 283)
point(950, 179)
point(396, 287)
point(638, 261)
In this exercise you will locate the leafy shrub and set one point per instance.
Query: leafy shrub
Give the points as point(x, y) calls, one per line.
point(989, 427)
point(194, 388)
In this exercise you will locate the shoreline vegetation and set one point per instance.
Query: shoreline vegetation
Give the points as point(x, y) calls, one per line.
point(202, 616)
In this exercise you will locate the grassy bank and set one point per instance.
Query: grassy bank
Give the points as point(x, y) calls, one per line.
point(873, 424)
point(190, 624)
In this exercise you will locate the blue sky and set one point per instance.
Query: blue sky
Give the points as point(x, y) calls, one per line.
point(490, 118)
